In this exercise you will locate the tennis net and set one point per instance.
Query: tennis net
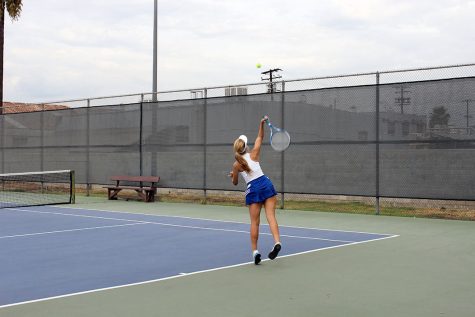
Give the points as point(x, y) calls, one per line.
point(36, 188)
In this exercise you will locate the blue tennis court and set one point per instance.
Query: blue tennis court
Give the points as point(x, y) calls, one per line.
point(50, 252)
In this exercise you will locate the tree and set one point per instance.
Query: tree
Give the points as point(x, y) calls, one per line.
point(439, 116)
point(13, 7)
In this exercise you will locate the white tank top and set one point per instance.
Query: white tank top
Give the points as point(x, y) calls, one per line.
point(255, 167)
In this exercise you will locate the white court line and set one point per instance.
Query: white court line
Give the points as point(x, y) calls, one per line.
point(180, 275)
point(178, 226)
point(74, 215)
point(215, 220)
point(68, 230)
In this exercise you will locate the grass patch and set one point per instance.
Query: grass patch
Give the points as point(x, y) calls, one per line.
point(354, 207)
point(420, 209)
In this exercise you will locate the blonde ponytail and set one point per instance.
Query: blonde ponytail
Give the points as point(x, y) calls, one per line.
point(239, 149)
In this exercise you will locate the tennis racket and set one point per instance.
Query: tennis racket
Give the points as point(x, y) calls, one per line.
point(279, 138)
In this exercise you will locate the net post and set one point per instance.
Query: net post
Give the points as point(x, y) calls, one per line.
point(72, 189)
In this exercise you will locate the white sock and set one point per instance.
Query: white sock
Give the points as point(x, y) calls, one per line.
point(254, 253)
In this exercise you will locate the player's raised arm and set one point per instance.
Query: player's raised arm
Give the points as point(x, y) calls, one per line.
point(256, 150)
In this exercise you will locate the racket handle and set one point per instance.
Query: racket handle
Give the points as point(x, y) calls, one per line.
point(266, 118)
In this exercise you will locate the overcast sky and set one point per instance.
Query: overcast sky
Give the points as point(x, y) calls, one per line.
point(68, 49)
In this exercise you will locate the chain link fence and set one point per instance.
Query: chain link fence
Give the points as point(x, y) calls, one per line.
point(380, 139)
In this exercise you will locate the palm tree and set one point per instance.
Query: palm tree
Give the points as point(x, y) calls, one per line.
point(13, 7)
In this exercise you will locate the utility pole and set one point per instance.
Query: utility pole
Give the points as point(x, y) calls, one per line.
point(401, 100)
point(468, 101)
point(271, 77)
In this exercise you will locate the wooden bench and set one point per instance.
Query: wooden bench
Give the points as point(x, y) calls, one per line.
point(145, 186)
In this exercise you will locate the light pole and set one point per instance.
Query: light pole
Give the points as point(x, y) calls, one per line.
point(154, 81)
point(154, 92)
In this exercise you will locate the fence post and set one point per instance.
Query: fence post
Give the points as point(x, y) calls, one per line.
point(141, 136)
point(282, 155)
point(88, 155)
point(377, 143)
point(205, 141)
point(153, 154)
point(2, 139)
point(42, 135)
point(42, 142)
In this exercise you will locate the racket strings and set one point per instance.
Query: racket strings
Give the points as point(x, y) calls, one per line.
point(280, 140)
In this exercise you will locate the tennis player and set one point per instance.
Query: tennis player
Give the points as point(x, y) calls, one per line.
point(260, 191)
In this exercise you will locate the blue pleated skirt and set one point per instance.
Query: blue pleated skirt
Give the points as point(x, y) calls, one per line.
point(259, 189)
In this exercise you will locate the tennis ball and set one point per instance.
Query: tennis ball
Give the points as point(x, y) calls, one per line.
point(258, 65)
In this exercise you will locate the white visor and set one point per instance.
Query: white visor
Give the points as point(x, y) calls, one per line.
point(244, 138)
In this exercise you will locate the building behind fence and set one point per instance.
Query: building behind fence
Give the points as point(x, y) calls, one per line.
point(403, 134)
